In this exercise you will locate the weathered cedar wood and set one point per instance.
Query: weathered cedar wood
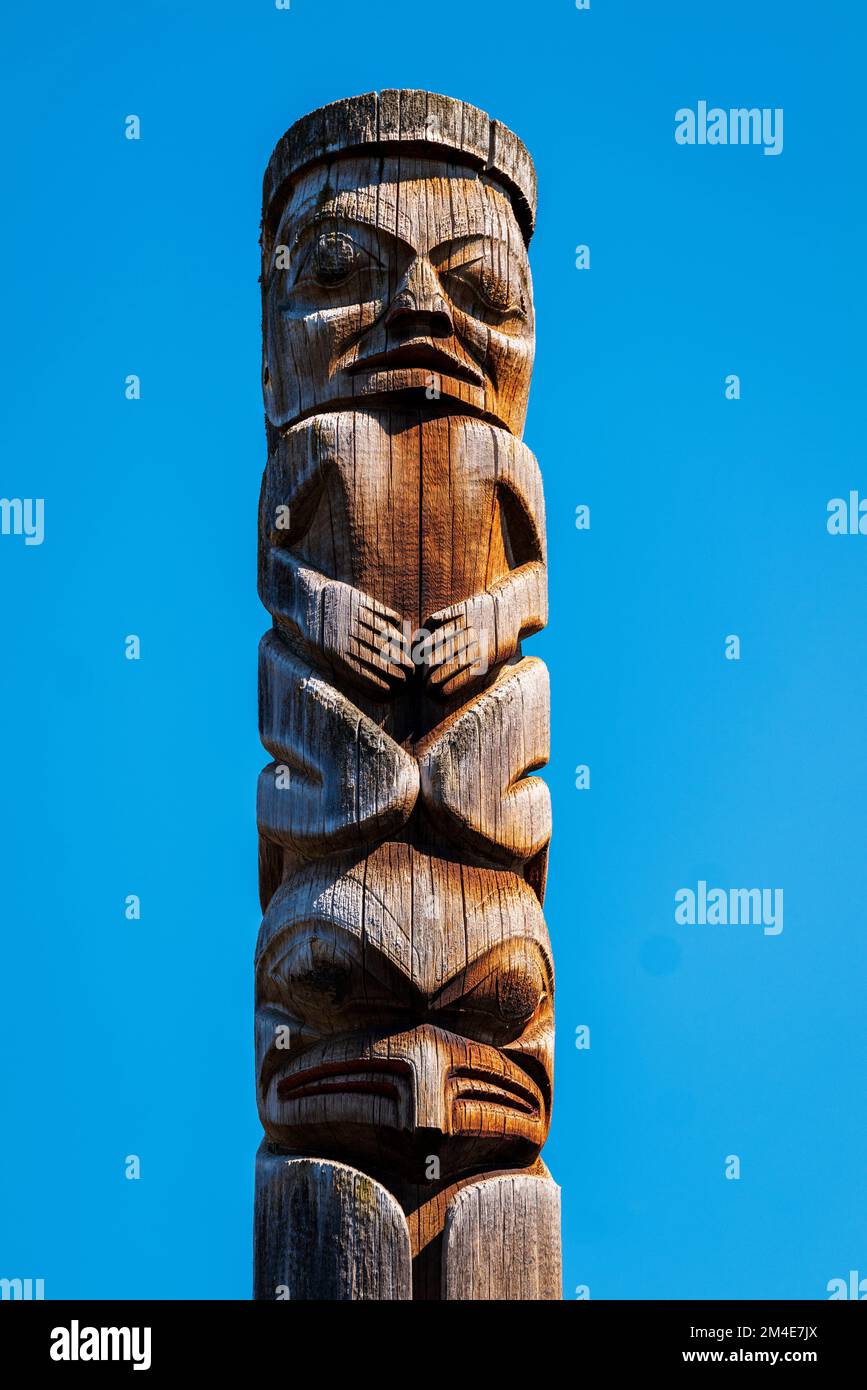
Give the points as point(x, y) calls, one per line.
point(404, 980)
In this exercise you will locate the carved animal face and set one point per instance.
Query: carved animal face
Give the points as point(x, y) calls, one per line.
point(393, 278)
point(391, 1049)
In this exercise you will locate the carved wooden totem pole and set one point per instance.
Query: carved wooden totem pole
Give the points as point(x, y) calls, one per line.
point(404, 983)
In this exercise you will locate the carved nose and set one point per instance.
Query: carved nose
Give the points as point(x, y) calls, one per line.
point(418, 305)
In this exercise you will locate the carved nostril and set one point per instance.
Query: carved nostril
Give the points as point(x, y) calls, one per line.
point(419, 305)
point(431, 323)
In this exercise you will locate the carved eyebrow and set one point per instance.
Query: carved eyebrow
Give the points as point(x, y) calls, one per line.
point(364, 210)
point(340, 220)
point(500, 244)
point(467, 238)
point(474, 219)
point(481, 967)
point(343, 935)
point(284, 937)
point(464, 979)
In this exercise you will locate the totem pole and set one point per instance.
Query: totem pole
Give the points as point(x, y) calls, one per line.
point(404, 983)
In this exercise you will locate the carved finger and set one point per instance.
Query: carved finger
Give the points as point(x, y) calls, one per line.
point(381, 612)
point(377, 665)
point(456, 617)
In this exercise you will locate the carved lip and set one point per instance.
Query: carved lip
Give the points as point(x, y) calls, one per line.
point(362, 1076)
point(419, 354)
point(490, 1088)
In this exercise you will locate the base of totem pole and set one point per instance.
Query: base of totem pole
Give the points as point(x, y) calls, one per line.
point(324, 1231)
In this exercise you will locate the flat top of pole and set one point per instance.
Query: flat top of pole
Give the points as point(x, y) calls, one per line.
point(415, 121)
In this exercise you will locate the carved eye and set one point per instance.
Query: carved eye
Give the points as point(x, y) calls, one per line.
point(326, 979)
point(314, 974)
point(519, 993)
point(501, 1006)
point(335, 258)
point(499, 293)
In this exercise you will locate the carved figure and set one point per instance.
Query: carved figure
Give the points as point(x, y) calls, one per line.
point(404, 982)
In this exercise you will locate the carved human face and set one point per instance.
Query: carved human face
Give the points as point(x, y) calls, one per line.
point(388, 1045)
point(392, 278)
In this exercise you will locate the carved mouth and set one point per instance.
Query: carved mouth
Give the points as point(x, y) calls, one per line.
point(365, 1076)
point(418, 355)
point(489, 1088)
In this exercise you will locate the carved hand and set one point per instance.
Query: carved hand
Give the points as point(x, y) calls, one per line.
point(363, 639)
point(463, 644)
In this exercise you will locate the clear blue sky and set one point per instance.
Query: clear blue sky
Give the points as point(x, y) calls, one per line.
point(707, 519)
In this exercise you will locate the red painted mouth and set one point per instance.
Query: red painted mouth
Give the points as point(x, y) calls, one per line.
point(488, 1088)
point(419, 354)
point(364, 1076)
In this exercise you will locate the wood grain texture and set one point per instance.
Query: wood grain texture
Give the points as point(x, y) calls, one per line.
point(502, 1241)
point(404, 1012)
point(398, 121)
point(404, 981)
point(325, 1231)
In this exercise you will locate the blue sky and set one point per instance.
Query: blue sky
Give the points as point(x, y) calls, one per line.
point(707, 519)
